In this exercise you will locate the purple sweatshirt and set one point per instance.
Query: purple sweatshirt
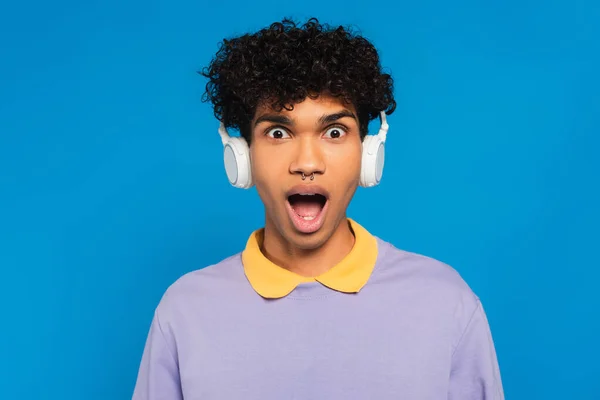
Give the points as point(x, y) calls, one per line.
point(414, 331)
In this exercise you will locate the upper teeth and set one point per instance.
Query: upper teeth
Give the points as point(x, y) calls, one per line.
point(306, 194)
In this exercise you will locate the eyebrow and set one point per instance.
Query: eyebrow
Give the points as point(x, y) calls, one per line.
point(275, 118)
point(325, 119)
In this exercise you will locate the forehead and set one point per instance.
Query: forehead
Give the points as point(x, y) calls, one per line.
point(309, 108)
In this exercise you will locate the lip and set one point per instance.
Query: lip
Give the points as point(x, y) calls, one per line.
point(307, 189)
point(304, 226)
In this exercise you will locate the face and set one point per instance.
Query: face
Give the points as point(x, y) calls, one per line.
point(320, 140)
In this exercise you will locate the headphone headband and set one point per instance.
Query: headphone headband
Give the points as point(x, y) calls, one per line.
point(223, 133)
point(383, 130)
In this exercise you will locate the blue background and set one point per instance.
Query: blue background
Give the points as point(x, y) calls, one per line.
point(112, 183)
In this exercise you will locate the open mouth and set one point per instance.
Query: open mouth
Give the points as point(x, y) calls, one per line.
point(307, 206)
point(306, 209)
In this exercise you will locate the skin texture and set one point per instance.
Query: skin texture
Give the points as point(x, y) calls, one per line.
point(280, 153)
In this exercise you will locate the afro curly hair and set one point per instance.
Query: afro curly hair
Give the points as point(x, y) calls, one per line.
point(285, 63)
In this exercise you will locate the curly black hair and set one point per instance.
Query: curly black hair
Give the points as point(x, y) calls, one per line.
point(286, 62)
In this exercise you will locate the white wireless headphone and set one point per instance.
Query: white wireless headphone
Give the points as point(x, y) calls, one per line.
point(236, 154)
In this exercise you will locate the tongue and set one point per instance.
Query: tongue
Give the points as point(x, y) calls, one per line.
point(306, 208)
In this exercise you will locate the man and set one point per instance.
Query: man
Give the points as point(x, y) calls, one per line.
point(315, 306)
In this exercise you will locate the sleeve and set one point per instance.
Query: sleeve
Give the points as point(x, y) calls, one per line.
point(475, 374)
point(158, 375)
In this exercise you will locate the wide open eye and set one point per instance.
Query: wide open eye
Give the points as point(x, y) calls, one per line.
point(278, 133)
point(335, 132)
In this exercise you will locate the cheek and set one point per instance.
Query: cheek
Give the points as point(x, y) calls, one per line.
point(345, 165)
point(266, 172)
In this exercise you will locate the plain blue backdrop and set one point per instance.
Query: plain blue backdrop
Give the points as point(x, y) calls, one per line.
point(112, 181)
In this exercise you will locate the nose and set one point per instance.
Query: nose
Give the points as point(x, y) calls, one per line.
point(309, 157)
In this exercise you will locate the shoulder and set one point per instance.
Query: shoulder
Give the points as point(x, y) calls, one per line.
point(202, 287)
point(434, 289)
point(419, 269)
point(427, 280)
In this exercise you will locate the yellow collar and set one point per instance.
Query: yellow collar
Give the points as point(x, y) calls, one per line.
point(349, 275)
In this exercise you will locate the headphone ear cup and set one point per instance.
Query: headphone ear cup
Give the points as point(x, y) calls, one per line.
point(236, 156)
point(373, 158)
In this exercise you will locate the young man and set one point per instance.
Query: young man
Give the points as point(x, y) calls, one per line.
point(315, 306)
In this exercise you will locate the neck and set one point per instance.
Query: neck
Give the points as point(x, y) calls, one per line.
point(308, 262)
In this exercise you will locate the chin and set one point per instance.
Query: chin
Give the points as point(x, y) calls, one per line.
point(309, 241)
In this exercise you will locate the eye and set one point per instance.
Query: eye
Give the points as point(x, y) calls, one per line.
point(278, 133)
point(335, 132)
